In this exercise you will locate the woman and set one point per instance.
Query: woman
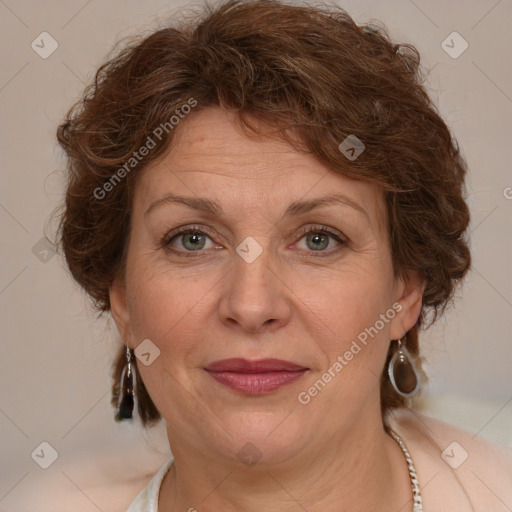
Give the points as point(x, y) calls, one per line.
point(270, 206)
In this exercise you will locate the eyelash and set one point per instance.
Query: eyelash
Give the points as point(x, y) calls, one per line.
point(322, 230)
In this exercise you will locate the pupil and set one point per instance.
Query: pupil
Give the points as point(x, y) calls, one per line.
point(194, 240)
point(317, 241)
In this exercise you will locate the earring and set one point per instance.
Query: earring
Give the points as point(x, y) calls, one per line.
point(126, 394)
point(402, 373)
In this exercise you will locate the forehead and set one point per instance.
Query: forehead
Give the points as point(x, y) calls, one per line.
point(210, 157)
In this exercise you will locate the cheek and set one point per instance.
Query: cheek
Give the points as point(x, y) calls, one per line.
point(355, 345)
point(358, 336)
point(348, 302)
point(164, 307)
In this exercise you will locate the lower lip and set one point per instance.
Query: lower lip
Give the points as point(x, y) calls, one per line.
point(257, 383)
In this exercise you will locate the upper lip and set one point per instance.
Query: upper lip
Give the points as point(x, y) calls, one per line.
point(240, 365)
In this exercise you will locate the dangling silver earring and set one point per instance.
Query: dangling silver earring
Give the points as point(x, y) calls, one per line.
point(126, 389)
point(402, 373)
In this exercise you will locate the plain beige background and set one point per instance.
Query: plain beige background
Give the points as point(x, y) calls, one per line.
point(55, 355)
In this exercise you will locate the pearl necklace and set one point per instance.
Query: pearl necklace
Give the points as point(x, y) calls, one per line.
point(416, 494)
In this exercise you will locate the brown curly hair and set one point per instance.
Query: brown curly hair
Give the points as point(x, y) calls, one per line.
point(309, 72)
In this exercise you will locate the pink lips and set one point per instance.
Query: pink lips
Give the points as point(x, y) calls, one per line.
point(255, 377)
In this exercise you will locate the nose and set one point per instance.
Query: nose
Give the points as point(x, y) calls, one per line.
point(255, 297)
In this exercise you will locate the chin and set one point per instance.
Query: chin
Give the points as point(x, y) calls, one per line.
point(265, 438)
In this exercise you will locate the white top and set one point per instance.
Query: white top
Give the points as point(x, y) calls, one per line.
point(147, 500)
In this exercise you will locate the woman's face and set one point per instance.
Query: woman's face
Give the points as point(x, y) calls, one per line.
point(247, 281)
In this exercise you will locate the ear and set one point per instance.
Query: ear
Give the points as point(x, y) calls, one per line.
point(120, 313)
point(409, 294)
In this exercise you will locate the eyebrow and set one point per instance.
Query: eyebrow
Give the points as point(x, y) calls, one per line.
point(295, 208)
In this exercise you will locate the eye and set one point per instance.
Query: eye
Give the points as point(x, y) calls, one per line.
point(189, 239)
point(319, 239)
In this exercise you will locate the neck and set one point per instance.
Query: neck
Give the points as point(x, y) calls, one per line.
point(364, 469)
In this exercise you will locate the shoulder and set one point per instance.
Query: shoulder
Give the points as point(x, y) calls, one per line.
point(455, 467)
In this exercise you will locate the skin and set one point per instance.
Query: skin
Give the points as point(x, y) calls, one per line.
point(292, 302)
